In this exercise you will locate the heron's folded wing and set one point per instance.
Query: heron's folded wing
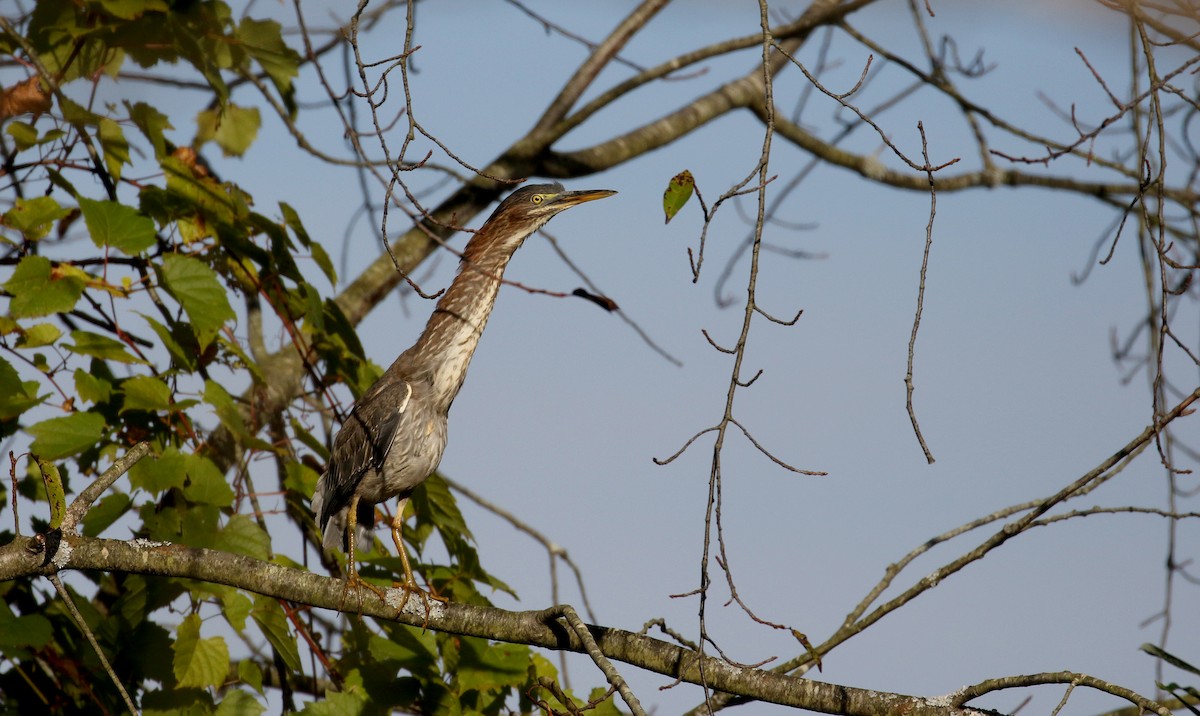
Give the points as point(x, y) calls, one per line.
point(363, 441)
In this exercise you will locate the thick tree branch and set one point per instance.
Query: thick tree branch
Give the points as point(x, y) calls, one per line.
point(586, 74)
point(746, 91)
point(24, 558)
point(876, 171)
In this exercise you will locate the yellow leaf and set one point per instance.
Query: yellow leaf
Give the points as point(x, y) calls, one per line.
point(679, 190)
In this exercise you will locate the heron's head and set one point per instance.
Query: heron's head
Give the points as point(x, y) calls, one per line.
point(530, 207)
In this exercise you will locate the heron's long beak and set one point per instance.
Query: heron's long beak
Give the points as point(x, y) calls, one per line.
point(571, 198)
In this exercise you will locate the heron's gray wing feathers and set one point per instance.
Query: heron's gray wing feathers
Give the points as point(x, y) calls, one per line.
point(363, 442)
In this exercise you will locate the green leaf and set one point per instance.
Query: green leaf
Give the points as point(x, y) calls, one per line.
point(443, 508)
point(361, 376)
point(54, 492)
point(57, 438)
point(116, 148)
point(134, 602)
point(485, 666)
point(132, 9)
point(274, 625)
point(152, 123)
point(121, 227)
point(188, 193)
point(242, 535)
point(91, 388)
point(324, 262)
point(239, 703)
point(177, 702)
point(1168, 657)
point(679, 190)
point(76, 113)
point(105, 513)
point(443, 701)
point(604, 706)
point(103, 347)
point(198, 291)
point(301, 478)
point(234, 349)
point(173, 341)
point(283, 250)
point(208, 57)
point(340, 703)
point(15, 396)
point(42, 334)
point(33, 217)
point(37, 289)
point(25, 135)
point(233, 128)
point(206, 485)
point(412, 649)
point(72, 54)
point(148, 648)
point(161, 474)
point(226, 410)
point(305, 436)
point(199, 662)
point(541, 668)
point(263, 40)
point(57, 179)
point(19, 632)
point(314, 308)
point(292, 219)
point(144, 392)
point(236, 608)
point(250, 674)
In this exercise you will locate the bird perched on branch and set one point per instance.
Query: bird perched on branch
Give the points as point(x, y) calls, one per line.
point(395, 434)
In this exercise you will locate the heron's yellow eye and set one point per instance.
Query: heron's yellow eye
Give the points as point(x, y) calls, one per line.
point(537, 198)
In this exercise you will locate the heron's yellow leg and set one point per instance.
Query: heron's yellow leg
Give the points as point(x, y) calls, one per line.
point(397, 525)
point(352, 578)
point(410, 583)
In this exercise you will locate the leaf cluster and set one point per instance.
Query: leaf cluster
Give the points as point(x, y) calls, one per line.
point(133, 311)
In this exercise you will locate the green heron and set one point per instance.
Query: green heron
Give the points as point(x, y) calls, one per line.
point(395, 434)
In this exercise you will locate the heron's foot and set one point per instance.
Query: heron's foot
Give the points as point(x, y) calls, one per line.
point(353, 581)
point(409, 588)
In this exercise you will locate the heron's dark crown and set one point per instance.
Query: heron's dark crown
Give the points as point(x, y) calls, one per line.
point(532, 206)
point(520, 214)
point(525, 201)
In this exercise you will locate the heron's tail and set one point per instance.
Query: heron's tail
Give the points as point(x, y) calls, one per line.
point(333, 526)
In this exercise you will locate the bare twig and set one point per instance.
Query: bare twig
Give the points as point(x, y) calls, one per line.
point(87, 633)
point(92, 492)
point(568, 614)
point(912, 339)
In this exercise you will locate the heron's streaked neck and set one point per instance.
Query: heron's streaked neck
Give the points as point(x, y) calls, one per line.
point(444, 350)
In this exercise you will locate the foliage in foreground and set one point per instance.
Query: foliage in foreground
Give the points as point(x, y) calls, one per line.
point(122, 326)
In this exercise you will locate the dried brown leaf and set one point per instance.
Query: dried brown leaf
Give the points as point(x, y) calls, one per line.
point(26, 97)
